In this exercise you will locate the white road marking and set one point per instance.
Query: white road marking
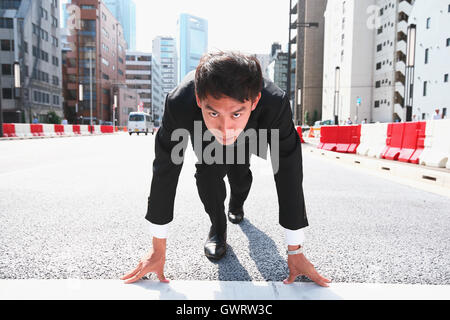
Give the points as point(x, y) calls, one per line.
point(73, 289)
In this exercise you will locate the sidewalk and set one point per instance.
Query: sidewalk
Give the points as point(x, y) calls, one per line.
point(438, 178)
point(212, 290)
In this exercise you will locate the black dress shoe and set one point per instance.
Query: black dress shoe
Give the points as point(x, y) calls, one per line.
point(216, 245)
point(236, 216)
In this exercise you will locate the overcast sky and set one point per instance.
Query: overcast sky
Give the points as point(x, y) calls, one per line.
point(249, 26)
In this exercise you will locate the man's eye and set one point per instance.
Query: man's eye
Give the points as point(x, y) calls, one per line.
point(237, 115)
point(213, 114)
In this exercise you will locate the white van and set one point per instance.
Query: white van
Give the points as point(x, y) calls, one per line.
point(140, 122)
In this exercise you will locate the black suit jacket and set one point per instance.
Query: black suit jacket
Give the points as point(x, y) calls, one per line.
point(272, 112)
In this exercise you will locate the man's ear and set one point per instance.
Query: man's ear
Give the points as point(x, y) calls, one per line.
point(198, 100)
point(255, 103)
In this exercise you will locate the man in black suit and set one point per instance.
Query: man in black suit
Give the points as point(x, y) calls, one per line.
point(224, 100)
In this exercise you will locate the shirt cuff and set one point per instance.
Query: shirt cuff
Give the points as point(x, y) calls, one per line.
point(159, 231)
point(294, 237)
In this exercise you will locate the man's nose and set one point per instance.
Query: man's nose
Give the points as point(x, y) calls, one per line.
point(226, 126)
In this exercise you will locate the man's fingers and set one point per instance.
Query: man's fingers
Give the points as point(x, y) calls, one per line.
point(318, 279)
point(132, 273)
point(162, 277)
point(135, 278)
point(290, 279)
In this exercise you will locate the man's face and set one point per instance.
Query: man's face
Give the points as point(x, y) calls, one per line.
point(226, 117)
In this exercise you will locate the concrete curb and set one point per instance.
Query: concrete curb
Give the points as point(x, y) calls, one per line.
point(433, 176)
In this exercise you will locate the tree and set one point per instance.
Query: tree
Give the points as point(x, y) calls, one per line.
point(53, 118)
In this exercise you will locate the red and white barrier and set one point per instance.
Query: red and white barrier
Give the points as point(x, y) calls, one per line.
point(427, 143)
point(23, 130)
point(26, 130)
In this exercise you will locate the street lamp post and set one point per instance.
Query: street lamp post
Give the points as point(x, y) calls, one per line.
point(17, 86)
point(80, 99)
point(336, 94)
point(90, 89)
point(1, 110)
point(114, 112)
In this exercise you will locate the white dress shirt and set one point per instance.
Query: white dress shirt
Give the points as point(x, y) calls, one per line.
point(292, 237)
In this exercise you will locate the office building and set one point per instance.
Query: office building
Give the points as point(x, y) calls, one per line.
point(308, 63)
point(430, 68)
point(30, 36)
point(164, 73)
point(139, 76)
point(365, 60)
point(264, 61)
point(390, 60)
point(277, 69)
point(192, 43)
point(348, 61)
point(97, 46)
point(125, 12)
point(128, 100)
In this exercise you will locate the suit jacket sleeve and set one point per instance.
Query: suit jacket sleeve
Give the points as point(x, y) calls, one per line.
point(165, 171)
point(288, 172)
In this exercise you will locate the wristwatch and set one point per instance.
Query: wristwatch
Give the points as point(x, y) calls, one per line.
point(292, 253)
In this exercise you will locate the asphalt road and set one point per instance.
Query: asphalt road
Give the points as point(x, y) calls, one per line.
point(75, 207)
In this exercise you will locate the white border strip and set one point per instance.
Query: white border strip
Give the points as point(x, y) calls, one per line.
point(212, 290)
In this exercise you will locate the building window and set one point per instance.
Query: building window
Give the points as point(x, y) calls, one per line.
point(6, 23)
point(377, 84)
point(6, 69)
point(378, 65)
point(6, 45)
point(56, 100)
point(7, 93)
point(425, 87)
point(448, 42)
point(428, 23)
point(427, 52)
point(446, 77)
point(377, 104)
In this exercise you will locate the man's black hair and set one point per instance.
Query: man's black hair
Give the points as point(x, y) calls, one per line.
point(232, 74)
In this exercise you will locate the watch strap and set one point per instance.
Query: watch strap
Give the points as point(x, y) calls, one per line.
point(292, 253)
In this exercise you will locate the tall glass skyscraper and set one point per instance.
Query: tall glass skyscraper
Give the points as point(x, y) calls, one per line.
point(125, 12)
point(164, 73)
point(192, 42)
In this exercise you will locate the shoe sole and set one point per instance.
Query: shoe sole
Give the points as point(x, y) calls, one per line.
point(235, 222)
point(215, 258)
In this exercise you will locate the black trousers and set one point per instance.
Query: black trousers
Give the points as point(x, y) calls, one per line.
point(212, 190)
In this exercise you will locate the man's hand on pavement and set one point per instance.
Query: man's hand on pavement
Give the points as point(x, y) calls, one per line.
point(300, 266)
point(153, 262)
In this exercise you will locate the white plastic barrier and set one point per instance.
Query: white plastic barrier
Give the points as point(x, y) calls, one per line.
point(437, 144)
point(373, 139)
point(49, 130)
point(364, 145)
point(97, 129)
point(84, 130)
point(23, 130)
point(68, 130)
